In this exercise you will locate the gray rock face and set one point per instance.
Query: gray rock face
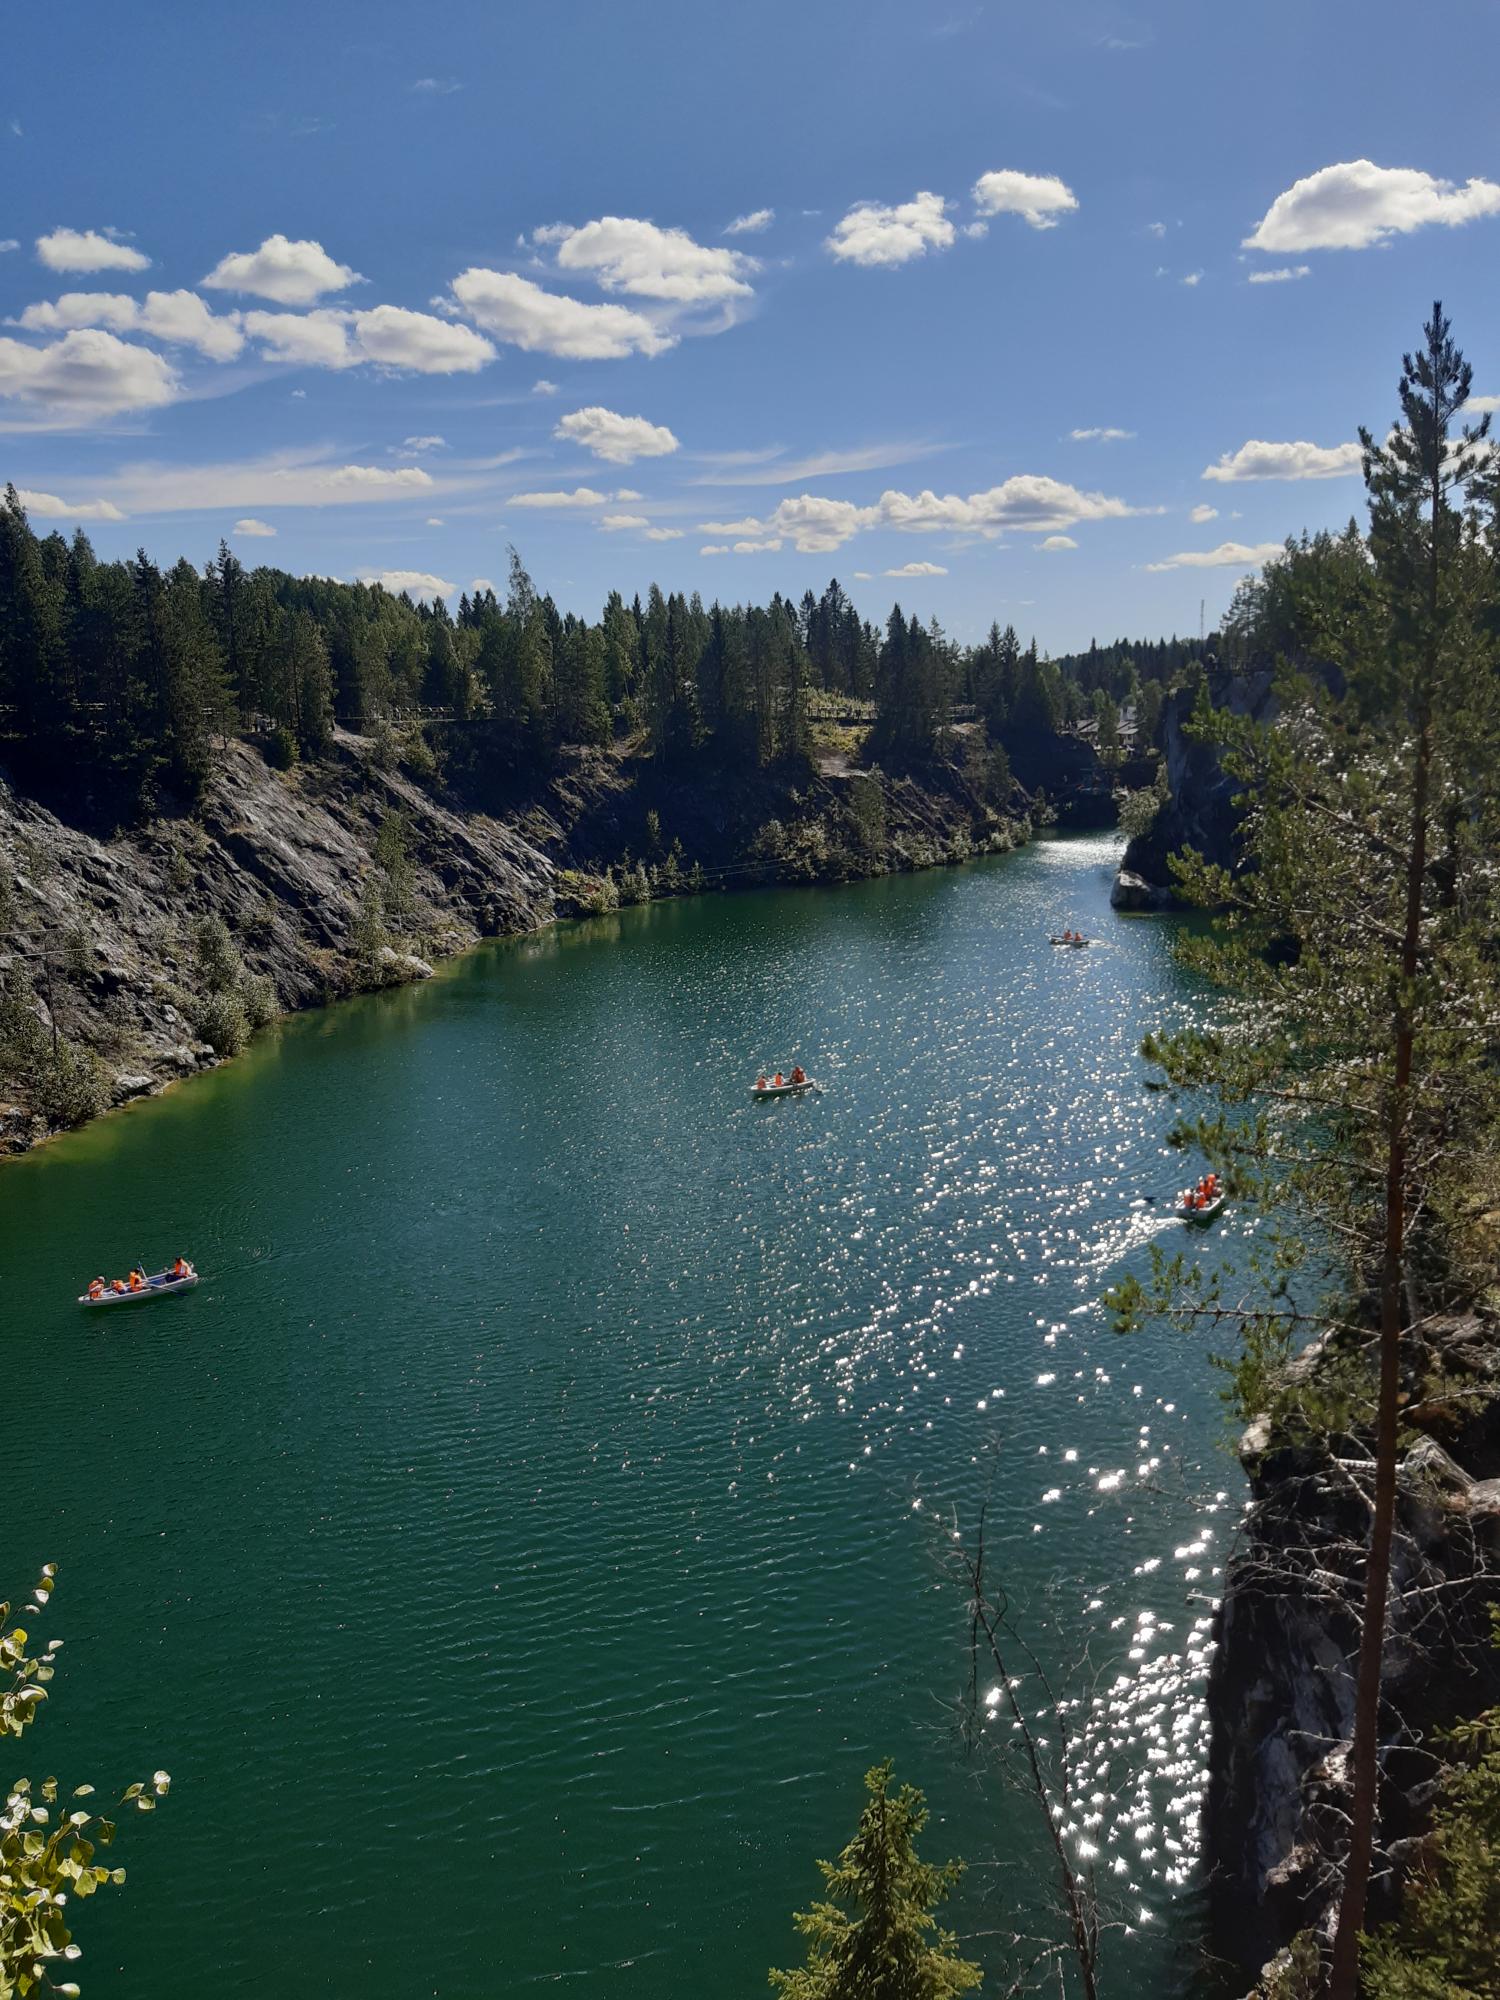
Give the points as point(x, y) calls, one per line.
point(1134, 892)
point(1281, 1689)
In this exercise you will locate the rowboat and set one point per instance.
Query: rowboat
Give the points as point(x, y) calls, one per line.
point(1077, 943)
point(1185, 1212)
point(157, 1286)
point(783, 1089)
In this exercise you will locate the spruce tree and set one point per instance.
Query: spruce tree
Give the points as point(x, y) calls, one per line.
point(875, 1936)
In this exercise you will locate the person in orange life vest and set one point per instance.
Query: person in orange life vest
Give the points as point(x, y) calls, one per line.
point(96, 1289)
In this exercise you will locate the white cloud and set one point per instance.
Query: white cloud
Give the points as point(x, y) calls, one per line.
point(628, 493)
point(481, 583)
point(436, 86)
point(581, 496)
point(862, 576)
point(413, 447)
point(88, 373)
point(1028, 502)
point(757, 548)
point(1297, 460)
point(542, 387)
point(419, 583)
point(615, 524)
point(664, 534)
point(1192, 278)
point(874, 234)
point(618, 439)
point(1105, 433)
point(753, 224)
point(255, 529)
point(87, 250)
point(292, 273)
point(1156, 229)
point(10, 243)
point(284, 479)
point(436, 521)
point(918, 569)
point(1203, 512)
point(1356, 203)
point(714, 549)
point(1039, 199)
point(181, 318)
point(627, 255)
point(420, 342)
point(1477, 405)
point(50, 507)
point(542, 322)
point(1054, 543)
point(1286, 274)
point(304, 340)
point(1228, 555)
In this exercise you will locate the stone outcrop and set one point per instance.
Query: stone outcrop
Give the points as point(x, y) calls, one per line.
point(1281, 1687)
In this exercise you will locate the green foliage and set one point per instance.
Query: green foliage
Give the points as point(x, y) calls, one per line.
point(1443, 1945)
point(875, 1936)
point(1138, 812)
point(221, 1021)
point(57, 1081)
point(368, 936)
point(392, 855)
point(49, 1851)
point(216, 964)
point(281, 748)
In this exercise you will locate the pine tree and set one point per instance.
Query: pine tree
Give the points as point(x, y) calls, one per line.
point(875, 1937)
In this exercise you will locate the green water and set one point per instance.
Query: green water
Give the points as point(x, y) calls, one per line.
point(522, 1541)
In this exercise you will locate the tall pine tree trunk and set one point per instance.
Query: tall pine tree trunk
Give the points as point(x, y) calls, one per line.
point(1364, 1758)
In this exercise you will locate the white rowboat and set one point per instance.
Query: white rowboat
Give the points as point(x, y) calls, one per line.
point(783, 1089)
point(1076, 943)
point(1209, 1210)
point(157, 1285)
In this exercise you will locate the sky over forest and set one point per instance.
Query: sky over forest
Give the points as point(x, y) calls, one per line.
point(1060, 315)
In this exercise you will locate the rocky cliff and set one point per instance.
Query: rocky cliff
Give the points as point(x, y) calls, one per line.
point(1281, 1687)
point(100, 936)
point(1199, 811)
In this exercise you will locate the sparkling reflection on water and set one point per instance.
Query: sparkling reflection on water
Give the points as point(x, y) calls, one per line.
point(525, 1537)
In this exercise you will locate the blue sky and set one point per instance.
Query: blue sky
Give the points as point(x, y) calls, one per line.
point(376, 289)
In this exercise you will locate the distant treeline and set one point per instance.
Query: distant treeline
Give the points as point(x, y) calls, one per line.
point(121, 678)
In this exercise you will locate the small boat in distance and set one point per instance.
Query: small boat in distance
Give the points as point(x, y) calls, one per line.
point(1072, 938)
point(784, 1086)
point(1200, 1204)
point(155, 1285)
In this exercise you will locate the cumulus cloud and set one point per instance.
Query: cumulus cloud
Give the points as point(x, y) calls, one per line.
point(1192, 278)
point(918, 569)
point(1039, 199)
point(419, 583)
point(1477, 405)
point(1285, 274)
point(250, 526)
point(1297, 460)
point(542, 387)
point(664, 534)
point(1105, 433)
point(51, 507)
point(87, 250)
point(627, 493)
point(180, 318)
point(581, 496)
point(618, 439)
point(714, 549)
point(1203, 512)
point(1354, 204)
point(614, 524)
point(542, 322)
point(1228, 555)
point(304, 340)
point(88, 373)
point(1055, 543)
point(293, 273)
point(874, 234)
point(624, 254)
point(482, 583)
point(753, 224)
point(397, 338)
point(1028, 502)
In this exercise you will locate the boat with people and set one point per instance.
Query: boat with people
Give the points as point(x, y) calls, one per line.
point(1074, 938)
point(140, 1284)
point(1203, 1202)
point(791, 1085)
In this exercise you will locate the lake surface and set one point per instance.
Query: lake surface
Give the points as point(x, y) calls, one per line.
point(526, 1536)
